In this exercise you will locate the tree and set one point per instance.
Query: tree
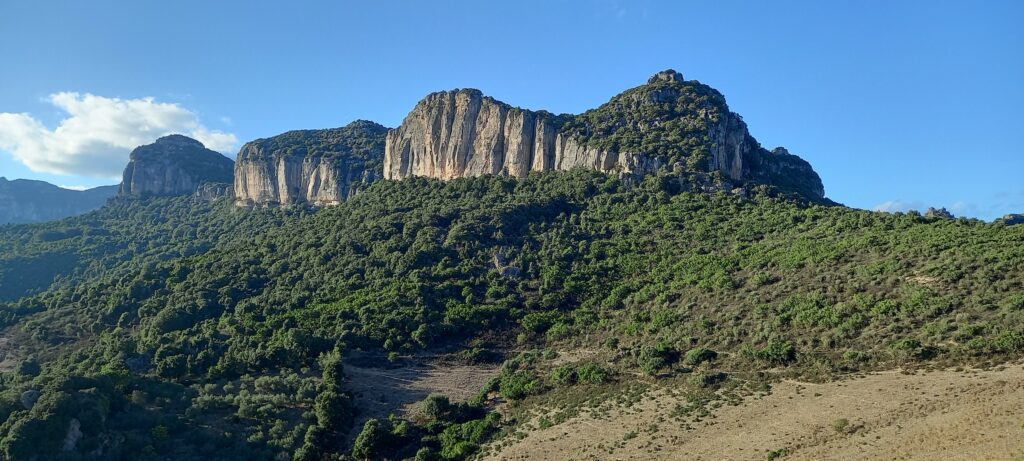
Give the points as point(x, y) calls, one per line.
point(372, 440)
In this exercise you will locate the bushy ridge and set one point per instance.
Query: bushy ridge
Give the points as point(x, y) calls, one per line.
point(360, 140)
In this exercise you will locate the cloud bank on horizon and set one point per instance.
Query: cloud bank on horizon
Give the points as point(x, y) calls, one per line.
point(97, 133)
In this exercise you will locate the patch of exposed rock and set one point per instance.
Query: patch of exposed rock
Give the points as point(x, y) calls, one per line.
point(173, 165)
point(312, 167)
point(28, 398)
point(461, 133)
point(73, 435)
point(1012, 219)
point(209, 192)
point(668, 121)
point(938, 213)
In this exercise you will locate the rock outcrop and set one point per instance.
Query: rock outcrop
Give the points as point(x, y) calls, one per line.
point(73, 435)
point(29, 398)
point(669, 122)
point(312, 167)
point(28, 201)
point(210, 191)
point(1011, 219)
point(938, 213)
point(174, 165)
point(460, 133)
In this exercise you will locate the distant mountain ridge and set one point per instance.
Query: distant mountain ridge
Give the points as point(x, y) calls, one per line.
point(29, 201)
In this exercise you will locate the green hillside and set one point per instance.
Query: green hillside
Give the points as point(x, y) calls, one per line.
point(176, 329)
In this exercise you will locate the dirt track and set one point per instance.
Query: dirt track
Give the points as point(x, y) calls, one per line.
point(949, 415)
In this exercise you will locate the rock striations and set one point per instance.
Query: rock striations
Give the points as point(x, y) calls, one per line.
point(312, 167)
point(461, 133)
point(173, 165)
point(668, 123)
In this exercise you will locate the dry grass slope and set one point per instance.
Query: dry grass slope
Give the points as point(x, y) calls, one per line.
point(950, 415)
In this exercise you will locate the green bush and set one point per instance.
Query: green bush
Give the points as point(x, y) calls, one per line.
point(437, 407)
point(652, 359)
point(459, 441)
point(699, 355)
point(518, 385)
point(592, 373)
point(777, 352)
point(373, 440)
point(564, 375)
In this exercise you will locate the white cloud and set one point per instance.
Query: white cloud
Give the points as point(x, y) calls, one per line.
point(893, 206)
point(63, 186)
point(97, 134)
point(963, 207)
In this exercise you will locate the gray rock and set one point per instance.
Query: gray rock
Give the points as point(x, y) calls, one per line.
point(312, 167)
point(173, 165)
point(28, 398)
point(666, 76)
point(504, 266)
point(940, 213)
point(73, 435)
point(209, 192)
point(1012, 219)
point(462, 133)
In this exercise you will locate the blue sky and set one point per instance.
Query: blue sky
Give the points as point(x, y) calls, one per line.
point(896, 104)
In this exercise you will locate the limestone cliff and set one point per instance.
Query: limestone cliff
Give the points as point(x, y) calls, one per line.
point(173, 165)
point(669, 122)
point(315, 167)
point(461, 133)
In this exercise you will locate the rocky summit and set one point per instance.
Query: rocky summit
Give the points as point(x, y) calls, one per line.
point(670, 122)
point(173, 165)
point(314, 167)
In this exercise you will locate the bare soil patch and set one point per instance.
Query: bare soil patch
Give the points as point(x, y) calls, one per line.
point(381, 388)
point(951, 415)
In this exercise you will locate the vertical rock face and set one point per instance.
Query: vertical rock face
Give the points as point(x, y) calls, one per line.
point(212, 191)
point(174, 165)
point(462, 133)
point(314, 167)
point(786, 171)
point(668, 121)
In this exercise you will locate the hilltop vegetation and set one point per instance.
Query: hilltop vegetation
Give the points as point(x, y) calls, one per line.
point(172, 328)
